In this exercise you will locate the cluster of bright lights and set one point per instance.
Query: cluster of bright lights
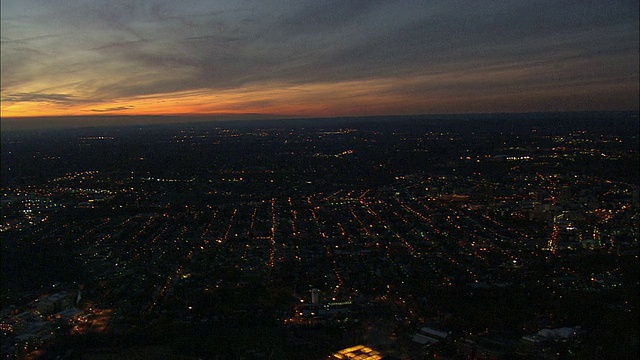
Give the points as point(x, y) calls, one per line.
point(359, 352)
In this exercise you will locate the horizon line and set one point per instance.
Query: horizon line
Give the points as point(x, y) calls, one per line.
point(71, 121)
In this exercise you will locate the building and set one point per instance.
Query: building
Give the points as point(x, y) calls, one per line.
point(360, 352)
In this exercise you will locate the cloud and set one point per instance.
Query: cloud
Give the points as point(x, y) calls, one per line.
point(113, 109)
point(22, 41)
point(41, 97)
point(118, 46)
point(111, 51)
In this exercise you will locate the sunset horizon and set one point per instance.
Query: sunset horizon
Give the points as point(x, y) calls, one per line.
point(316, 60)
point(329, 179)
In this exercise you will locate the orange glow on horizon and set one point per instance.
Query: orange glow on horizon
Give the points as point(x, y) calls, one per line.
point(320, 99)
point(429, 93)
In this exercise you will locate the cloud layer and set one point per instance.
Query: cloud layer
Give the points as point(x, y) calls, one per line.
point(317, 58)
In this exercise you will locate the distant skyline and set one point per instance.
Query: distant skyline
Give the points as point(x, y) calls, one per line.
point(316, 58)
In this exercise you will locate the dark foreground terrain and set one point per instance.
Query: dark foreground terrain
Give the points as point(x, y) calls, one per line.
point(503, 236)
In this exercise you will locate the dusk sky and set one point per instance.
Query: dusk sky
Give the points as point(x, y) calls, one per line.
point(317, 58)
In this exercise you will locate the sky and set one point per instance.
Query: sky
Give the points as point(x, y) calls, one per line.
point(316, 58)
